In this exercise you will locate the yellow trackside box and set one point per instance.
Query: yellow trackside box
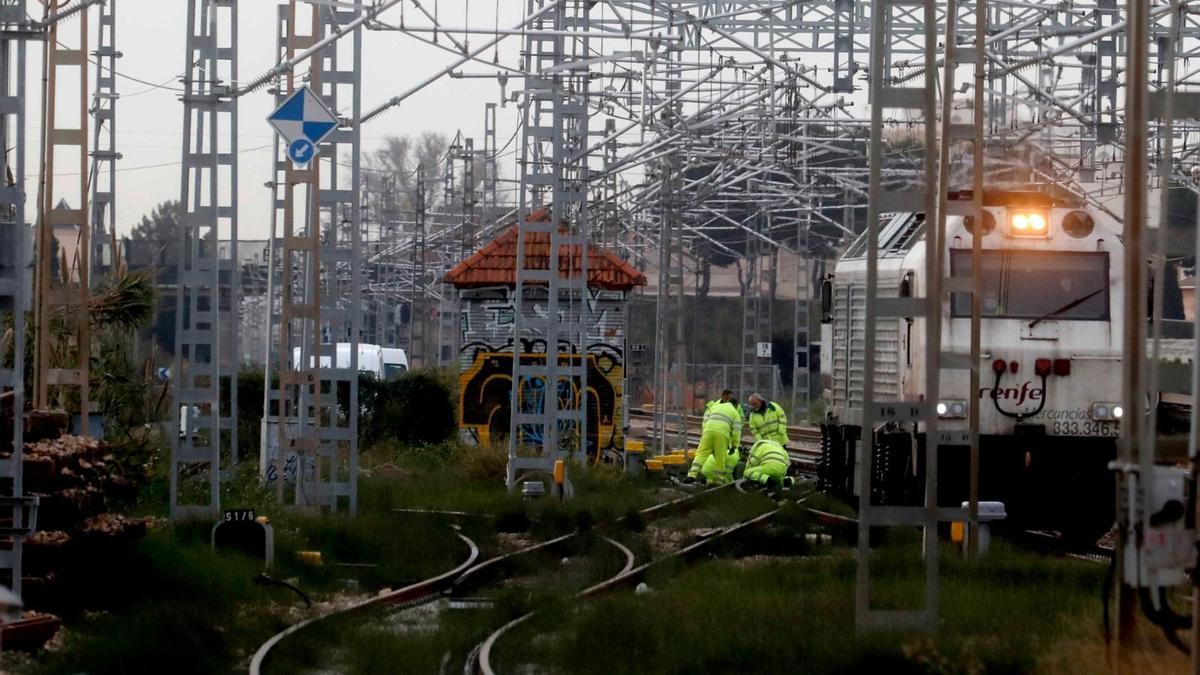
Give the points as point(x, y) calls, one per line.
point(654, 465)
point(632, 445)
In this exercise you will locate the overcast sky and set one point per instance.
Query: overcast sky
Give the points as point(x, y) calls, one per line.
point(151, 34)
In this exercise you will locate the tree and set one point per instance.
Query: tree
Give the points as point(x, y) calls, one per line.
point(154, 244)
point(401, 155)
point(156, 237)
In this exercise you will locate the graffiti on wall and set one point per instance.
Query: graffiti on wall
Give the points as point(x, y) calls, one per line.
point(485, 379)
point(486, 389)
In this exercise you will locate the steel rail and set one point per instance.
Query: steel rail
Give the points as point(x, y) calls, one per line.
point(408, 594)
point(481, 656)
point(627, 577)
point(424, 591)
point(630, 574)
point(650, 512)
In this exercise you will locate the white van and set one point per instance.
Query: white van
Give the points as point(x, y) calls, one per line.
point(370, 359)
point(395, 363)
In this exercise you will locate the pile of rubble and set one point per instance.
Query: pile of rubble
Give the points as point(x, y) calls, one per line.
point(76, 480)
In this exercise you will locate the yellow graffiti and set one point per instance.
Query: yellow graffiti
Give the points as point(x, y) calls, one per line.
point(485, 391)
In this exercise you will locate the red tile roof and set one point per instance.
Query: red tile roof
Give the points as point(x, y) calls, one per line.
point(495, 264)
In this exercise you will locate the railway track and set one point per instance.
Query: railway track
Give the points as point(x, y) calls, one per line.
point(431, 589)
point(480, 661)
point(409, 595)
point(480, 658)
point(1052, 543)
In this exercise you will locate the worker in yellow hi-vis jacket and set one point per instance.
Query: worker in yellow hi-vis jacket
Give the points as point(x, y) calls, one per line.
point(767, 464)
point(767, 420)
point(720, 421)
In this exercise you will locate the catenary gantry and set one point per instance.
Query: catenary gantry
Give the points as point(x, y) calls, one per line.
point(684, 133)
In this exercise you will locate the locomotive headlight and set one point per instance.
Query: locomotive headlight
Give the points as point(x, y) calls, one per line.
point(1107, 411)
point(1118, 412)
point(952, 409)
point(1028, 224)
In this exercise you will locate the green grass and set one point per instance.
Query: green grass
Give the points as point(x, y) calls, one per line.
point(424, 638)
point(171, 607)
point(170, 604)
point(796, 615)
point(442, 481)
point(380, 643)
point(543, 581)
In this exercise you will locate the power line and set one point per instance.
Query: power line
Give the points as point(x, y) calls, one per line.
point(157, 166)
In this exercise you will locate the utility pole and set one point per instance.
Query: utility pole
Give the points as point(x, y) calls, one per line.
point(320, 279)
point(64, 133)
point(1131, 455)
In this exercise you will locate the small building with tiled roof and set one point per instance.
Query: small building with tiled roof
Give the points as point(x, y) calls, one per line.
point(486, 288)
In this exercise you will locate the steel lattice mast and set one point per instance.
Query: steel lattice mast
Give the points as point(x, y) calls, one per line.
point(548, 419)
point(15, 280)
point(65, 296)
point(206, 353)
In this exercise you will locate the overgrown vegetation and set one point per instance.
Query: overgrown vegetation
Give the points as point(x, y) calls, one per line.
point(437, 639)
point(417, 408)
point(171, 604)
point(797, 614)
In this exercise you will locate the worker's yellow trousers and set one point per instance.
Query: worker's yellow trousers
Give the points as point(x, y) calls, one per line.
point(715, 445)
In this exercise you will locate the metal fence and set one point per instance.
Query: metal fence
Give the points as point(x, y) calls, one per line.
point(708, 380)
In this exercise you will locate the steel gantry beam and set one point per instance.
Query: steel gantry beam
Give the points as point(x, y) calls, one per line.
point(802, 368)
point(670, 346)
point(965, 49)
point(730, 133)
point(418, 320)
point(447, 314)
point(204, 408)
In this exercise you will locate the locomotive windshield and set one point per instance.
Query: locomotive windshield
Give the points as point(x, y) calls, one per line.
point(1036, 285)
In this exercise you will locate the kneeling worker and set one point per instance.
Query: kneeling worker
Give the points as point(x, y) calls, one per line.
point(721, 419)
point(767, 465)
point(767, 420)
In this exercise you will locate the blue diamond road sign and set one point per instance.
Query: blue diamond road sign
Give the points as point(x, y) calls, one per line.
point(304, 121)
